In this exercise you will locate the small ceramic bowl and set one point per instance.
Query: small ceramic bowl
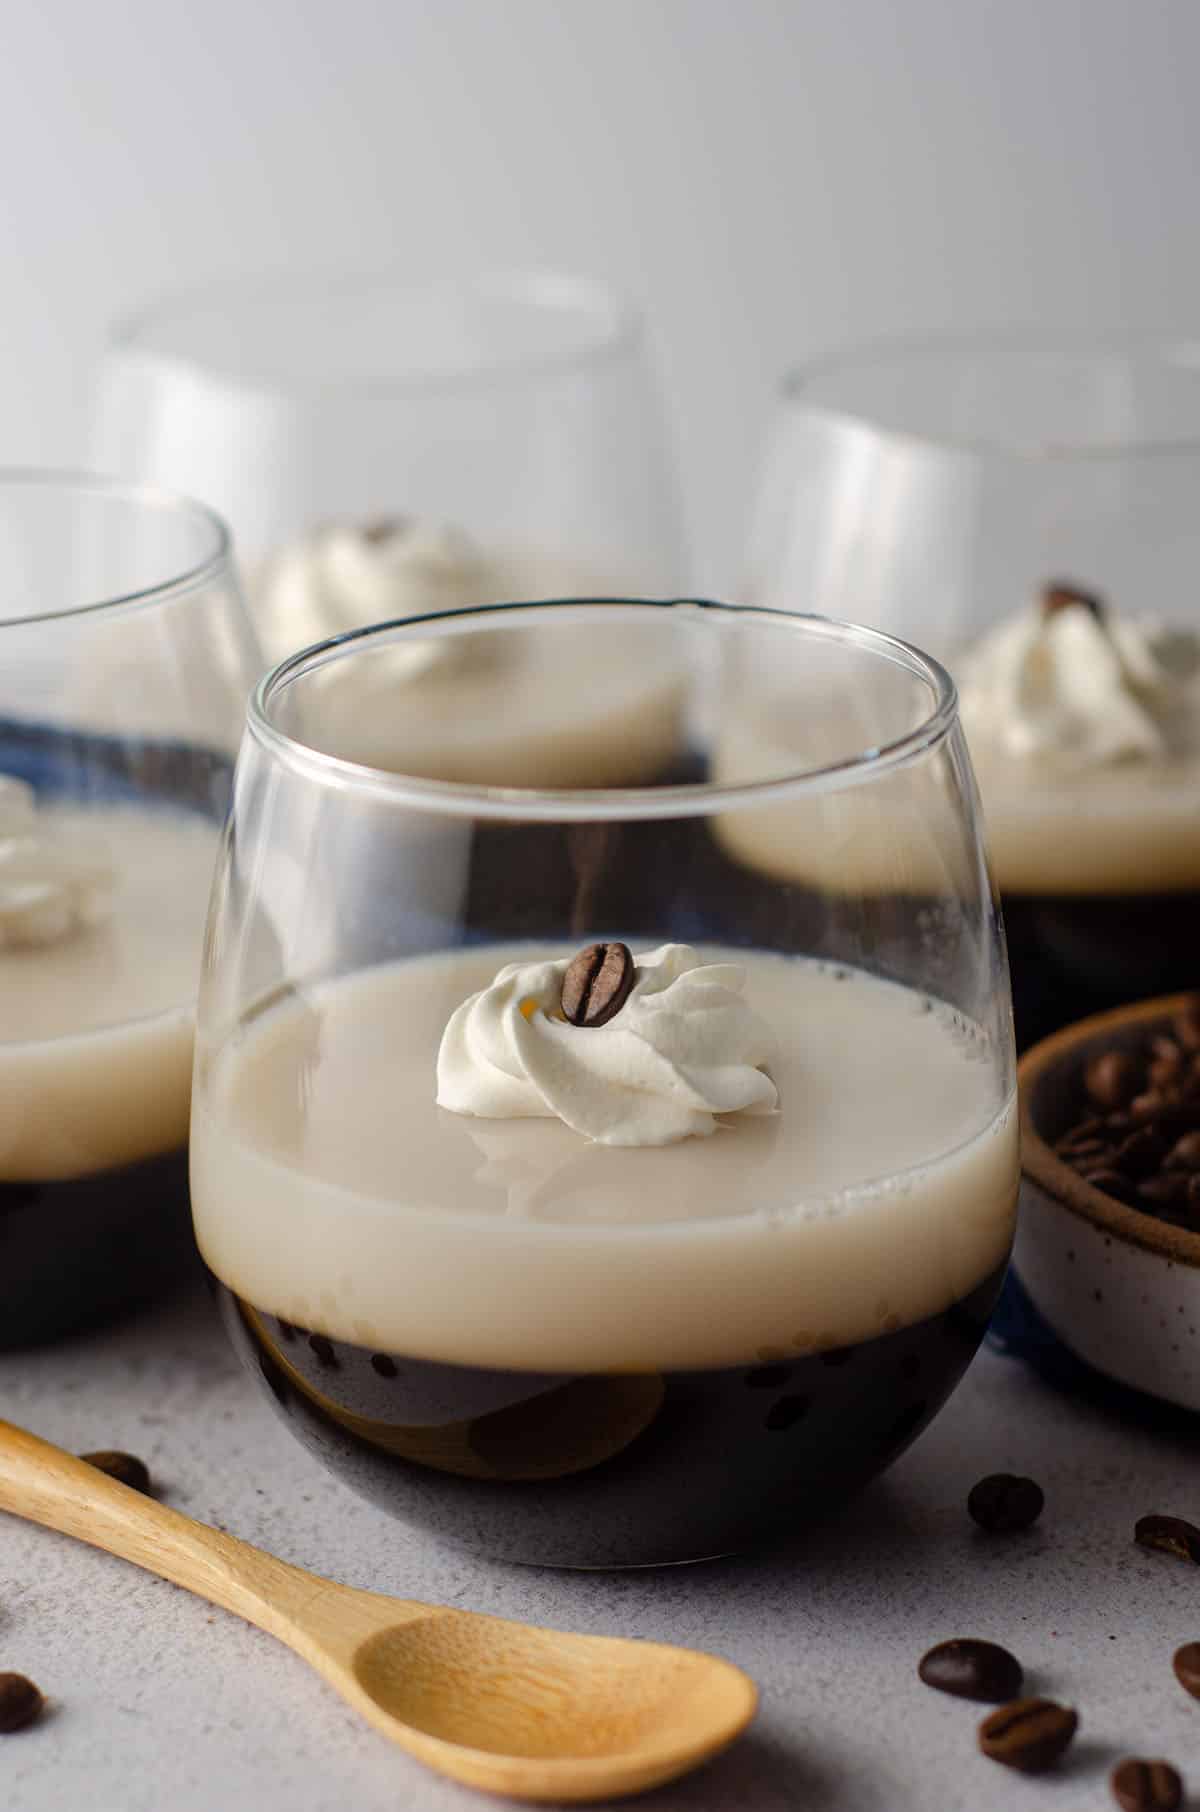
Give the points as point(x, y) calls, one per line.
point(1118, 1287)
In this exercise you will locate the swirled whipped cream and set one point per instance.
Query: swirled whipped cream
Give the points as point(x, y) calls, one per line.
point(684, 1048)
point(51, 885)
point(347, 574)
point(1069, 682)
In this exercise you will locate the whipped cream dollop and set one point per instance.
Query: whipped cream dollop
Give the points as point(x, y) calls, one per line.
point(52, 884)
point(1079, 686)
point(347, 574)
point(683, 1048)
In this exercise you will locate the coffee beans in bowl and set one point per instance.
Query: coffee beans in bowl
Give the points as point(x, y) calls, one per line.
point(1108, 1245)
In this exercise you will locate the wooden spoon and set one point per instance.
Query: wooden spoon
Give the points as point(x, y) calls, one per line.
point(532, 1713)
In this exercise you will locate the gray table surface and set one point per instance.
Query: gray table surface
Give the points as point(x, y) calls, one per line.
point(162, 1704)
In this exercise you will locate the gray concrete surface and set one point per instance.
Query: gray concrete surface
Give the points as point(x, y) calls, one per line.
point(163, 1704)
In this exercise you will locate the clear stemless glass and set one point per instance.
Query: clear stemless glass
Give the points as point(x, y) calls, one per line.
point(382, 447)
point(551, 1318)
point(937, 491)
point(125, 662)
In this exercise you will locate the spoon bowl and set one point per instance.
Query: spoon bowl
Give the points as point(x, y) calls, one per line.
point(530, 1713)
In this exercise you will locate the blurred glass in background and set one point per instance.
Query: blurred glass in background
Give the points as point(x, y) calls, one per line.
point(382, 449)
point(929, 488)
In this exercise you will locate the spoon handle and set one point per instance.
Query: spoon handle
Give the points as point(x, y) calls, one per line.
point(45, 1485)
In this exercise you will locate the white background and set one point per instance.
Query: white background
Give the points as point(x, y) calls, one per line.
point(769, 177)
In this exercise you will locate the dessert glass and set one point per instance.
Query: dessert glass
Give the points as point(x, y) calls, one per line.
point(125, 660)
point(934, 490)
point(543, 1346)
point(380, 447)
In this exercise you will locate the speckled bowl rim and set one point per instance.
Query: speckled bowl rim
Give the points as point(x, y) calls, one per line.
point(1064, 1185)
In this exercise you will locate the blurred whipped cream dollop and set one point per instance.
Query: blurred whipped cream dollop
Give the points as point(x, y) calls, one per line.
point(683, 1048)
point(52, 884)
point(1071, 683)
point(345, 575)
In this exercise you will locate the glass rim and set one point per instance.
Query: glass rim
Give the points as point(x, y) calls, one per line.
point(991, 345)
point(541, 289)
point(694, 799)
point(16, 480)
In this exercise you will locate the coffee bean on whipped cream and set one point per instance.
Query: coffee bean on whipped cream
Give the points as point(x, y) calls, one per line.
point(597, 984)
point(1060, 594)
point(20, 1703)
point(1169, 1535)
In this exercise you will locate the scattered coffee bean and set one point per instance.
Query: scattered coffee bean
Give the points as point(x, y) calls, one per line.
point(596, 984)
point(1030, 1735)
point(126, 1468)
point(1169, 1535)
point(1003, 1503)
point(971, 1669)
point(20, 1703)
point(1112, 1079)
point(1142, 1786)
point(1186, 1663)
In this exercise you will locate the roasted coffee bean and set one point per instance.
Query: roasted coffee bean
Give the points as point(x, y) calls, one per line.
point(1150, 1104)
point(126, 1468)
point(1186, 1024)
point(972, 1670)
point(1186, 1663)
point(1087, 1149)
point(1141, 1152)
point(1030, 1734)
point(596, 984)
point(1142, 1786)
point(1169, 1535)
point(1123, 1188)
point(1003, 1503)
point(1060, 594)
point(1113, 1079)
point(1185, 1153)
point(1193, 1194)
point(20, 1703)
point(1096, 1127)
point(1166, 1190)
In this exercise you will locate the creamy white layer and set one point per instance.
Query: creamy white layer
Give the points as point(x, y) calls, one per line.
point(1122, 830)
point(571, 706)
point(1085, 735)
point(96, 1030)
point(329, 1188)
